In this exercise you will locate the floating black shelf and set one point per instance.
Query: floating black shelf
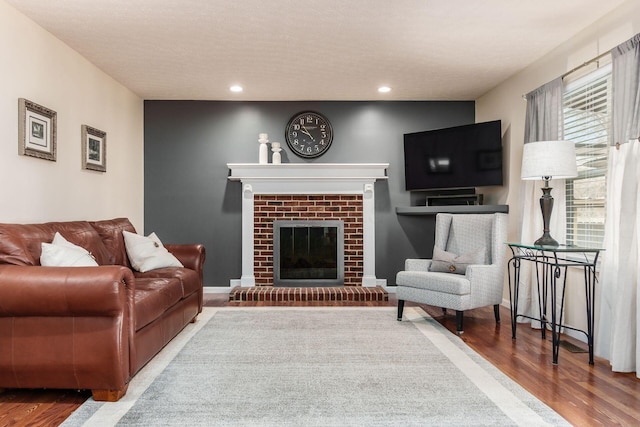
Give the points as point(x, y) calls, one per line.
point(466, 209)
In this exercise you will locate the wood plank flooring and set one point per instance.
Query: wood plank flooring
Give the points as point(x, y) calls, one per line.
point(583, 394)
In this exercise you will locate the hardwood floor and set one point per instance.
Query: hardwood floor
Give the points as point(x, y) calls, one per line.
point(583, 394)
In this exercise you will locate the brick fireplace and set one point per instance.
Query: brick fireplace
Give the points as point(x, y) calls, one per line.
point(271, 207)
point(308, 191)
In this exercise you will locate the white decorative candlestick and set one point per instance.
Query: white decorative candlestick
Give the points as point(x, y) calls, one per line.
point(275, 147)
point(263, 154)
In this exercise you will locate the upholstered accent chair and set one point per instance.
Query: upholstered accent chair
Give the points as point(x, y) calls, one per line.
point(467, 269)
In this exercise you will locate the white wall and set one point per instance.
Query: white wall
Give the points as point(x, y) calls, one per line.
point(42, 69)
point(505, 102)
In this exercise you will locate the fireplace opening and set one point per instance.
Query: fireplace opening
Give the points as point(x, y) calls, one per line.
point(308, 253)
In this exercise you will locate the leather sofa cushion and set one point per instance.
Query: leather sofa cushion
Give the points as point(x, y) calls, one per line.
point(20, 243)
point(110, 231)
point(189, 279)
point(153, 297)
point(13, 250)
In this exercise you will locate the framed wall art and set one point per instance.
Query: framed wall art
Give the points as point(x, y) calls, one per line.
point(36, 130)
point(94, 149)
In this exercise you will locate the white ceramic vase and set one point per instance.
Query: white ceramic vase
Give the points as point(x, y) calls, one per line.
point(263, 153)
point(275, 148)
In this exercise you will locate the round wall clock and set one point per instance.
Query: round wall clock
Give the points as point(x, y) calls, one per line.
point(309, 134)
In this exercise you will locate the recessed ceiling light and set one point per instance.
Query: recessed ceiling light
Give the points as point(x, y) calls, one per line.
point(236, 88)
point(384, 89)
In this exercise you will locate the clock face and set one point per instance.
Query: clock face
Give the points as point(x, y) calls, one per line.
point(309, 134)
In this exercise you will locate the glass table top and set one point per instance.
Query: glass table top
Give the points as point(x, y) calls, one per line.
point(559, 248)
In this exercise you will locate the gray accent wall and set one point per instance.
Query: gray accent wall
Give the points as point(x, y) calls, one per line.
point(187, 145)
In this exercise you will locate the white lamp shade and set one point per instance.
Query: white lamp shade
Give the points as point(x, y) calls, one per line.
point(553, 159)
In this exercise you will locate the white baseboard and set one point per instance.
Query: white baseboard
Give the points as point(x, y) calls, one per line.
point(216, 289)
point(577, 335)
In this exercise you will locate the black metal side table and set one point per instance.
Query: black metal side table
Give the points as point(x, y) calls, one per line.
point(551, 265)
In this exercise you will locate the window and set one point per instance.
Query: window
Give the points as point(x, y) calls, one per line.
point(587, 122)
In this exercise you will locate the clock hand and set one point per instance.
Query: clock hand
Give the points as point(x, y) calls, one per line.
point(307, 132)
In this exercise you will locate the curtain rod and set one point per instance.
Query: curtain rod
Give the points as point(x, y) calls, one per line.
point(584, 64)
point(618, 144)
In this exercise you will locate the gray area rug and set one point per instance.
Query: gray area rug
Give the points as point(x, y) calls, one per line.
point(318, 366)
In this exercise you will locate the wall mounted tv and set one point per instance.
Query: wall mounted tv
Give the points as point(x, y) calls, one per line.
point(466, 156)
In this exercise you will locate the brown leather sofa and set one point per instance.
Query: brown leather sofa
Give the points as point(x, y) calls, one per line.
point(88, 327)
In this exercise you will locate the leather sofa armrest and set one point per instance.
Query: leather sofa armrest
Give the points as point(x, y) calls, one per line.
point(190, 255)
point(66, 291)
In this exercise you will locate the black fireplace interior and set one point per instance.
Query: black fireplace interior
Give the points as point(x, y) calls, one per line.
point(308, 253)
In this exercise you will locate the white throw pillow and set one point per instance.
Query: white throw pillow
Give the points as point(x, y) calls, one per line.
point(148, 253)
point(62, 253)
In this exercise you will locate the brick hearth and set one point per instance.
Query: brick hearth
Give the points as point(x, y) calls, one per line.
point(270, 293)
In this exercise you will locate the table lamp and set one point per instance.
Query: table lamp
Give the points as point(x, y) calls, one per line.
point(547, 160)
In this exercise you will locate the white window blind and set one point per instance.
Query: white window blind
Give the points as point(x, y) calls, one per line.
point(587, 122)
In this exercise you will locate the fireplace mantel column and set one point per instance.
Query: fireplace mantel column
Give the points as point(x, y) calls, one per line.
point(368, 237)
point(248, 278)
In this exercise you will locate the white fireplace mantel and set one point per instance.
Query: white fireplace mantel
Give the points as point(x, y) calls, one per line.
point(308, 178)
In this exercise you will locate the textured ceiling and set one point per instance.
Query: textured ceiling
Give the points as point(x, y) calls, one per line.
point(313, 49)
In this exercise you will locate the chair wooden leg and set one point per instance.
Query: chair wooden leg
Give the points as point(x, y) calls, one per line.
point(400, 309)
point(459, 322)
point(496, 312)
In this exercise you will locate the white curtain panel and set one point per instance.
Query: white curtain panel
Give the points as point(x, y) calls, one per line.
point(543, 123)
point(618, 328)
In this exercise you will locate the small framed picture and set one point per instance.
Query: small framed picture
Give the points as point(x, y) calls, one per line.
point(36, 130)
point(94, 149)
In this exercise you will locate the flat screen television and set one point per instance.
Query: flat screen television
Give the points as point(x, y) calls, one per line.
point(460, 157)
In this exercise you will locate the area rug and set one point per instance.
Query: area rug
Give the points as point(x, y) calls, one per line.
point(318, 366)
